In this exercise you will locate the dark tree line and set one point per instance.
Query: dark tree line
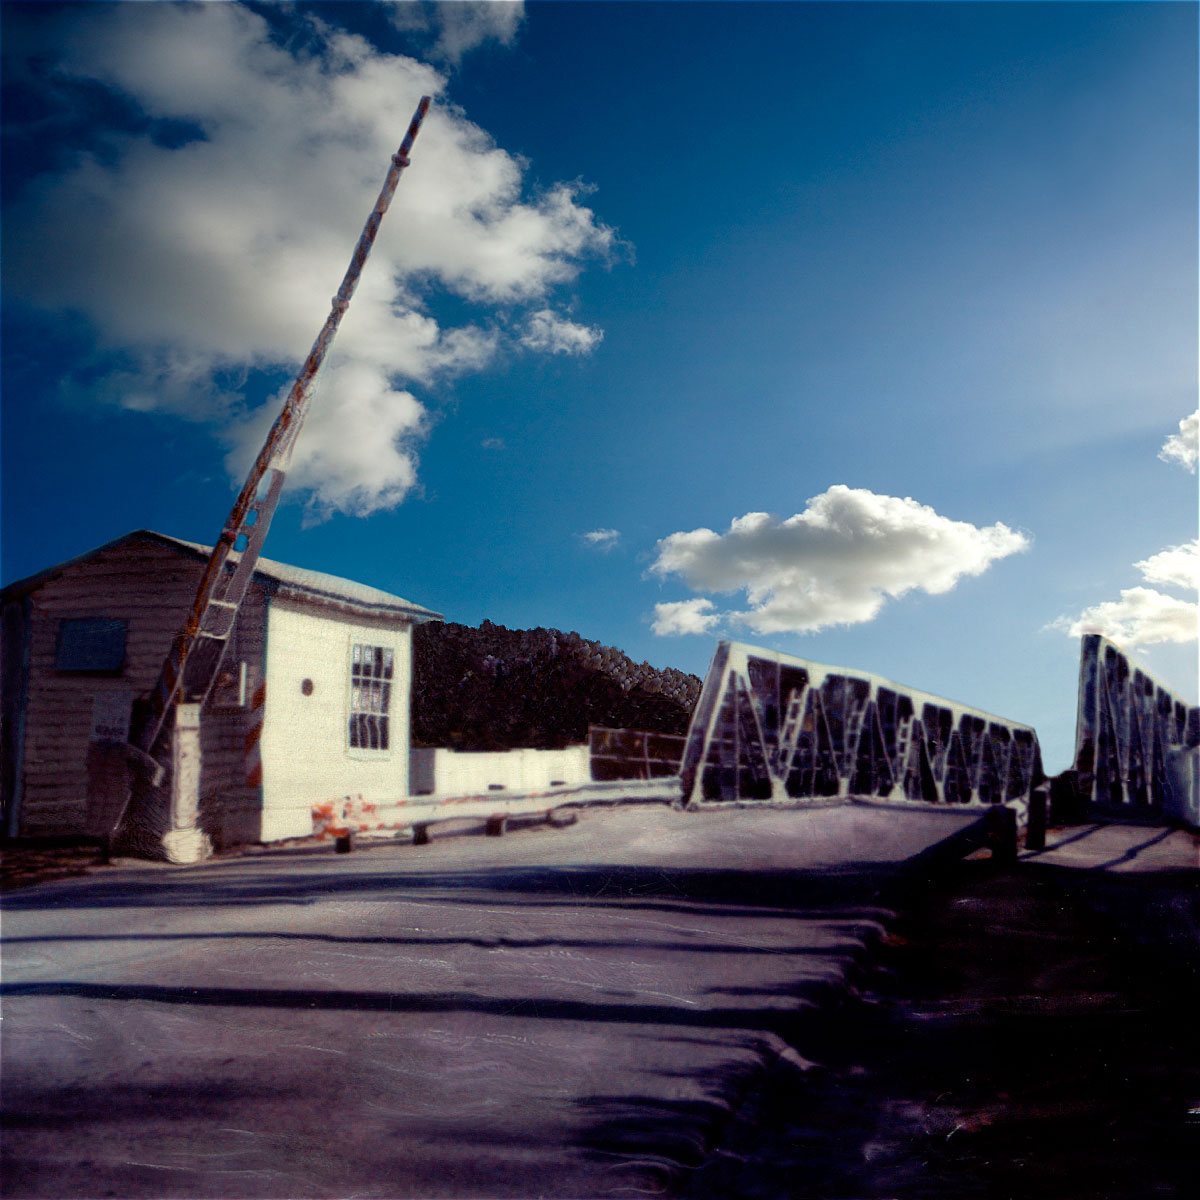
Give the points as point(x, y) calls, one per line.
point(494, 688)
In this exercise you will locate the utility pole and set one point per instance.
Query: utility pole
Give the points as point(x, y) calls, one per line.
point(169, 736)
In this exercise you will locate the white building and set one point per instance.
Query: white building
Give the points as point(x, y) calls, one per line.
point(312, 703)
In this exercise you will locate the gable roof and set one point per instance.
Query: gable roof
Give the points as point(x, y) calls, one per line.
point(279, 578)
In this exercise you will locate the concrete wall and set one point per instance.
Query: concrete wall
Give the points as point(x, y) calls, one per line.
point(455, 772)
point(306, 756)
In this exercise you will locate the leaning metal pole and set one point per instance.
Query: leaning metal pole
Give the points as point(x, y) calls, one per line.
point(191, 667)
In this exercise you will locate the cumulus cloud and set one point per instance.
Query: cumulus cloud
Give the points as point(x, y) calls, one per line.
point(358, 453)
point(835, 563)
point(1184, 447)
point(1177, 566)
point(470, 23)
point(462, 25)
point(1144, 616)
point(602, 539)
point(684, 616)
point(211, 250)
point(547, 331)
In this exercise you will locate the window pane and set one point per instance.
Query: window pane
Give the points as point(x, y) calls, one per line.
point(91, 645)
point(370, 696)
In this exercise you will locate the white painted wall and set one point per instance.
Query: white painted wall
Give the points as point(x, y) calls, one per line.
point(467, 774)
point(306, 755)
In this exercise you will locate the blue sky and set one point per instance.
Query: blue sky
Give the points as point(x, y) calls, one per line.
point(857, 331)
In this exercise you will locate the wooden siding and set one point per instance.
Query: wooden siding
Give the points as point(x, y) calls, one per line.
point(14, 674)
point(151, 586)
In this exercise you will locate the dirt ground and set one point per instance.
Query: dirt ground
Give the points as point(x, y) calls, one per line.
point(24, 864)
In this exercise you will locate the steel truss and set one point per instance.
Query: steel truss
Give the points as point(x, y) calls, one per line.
point(1136, 745)
point(772, 727)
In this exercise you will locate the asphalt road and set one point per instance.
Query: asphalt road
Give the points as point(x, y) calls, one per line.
point(558, 1012)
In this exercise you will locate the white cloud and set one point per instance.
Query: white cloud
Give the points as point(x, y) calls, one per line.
point(195, 262)
point(602, 539)
point(684, 616)
point(1142, 617)
point(493, 443)
point(836, 563)
point(1177, 566)
point(547, 331)
point(1184, 447)
point(466, 24)
point(460, 25)
point(357, 454)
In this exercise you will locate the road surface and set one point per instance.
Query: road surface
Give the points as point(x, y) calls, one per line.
point(560, 1012)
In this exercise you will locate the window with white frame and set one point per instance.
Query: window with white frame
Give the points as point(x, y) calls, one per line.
point(370, 696)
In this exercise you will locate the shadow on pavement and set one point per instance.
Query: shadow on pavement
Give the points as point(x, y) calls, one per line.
point(753, 892)
point(481, 943)
point(313, 1000)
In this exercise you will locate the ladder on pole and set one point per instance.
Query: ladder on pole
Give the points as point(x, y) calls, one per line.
point(191, 667)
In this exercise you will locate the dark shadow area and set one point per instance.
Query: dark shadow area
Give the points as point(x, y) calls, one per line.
point(126, 1140)
point(670, 1134)
point(1015, 1042)
point(753, 892)
point(678, 1135)
point(310, 1000)
point(30, 1106)
point(1158, 910)
point(482, 943)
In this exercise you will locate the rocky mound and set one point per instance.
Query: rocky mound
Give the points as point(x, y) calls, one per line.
point(494, 688)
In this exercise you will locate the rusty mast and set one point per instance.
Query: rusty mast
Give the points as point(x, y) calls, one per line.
point(191, 667)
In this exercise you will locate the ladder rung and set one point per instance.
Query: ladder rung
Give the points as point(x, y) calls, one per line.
point(217, 619)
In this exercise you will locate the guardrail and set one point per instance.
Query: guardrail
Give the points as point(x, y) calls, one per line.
point(352, 817)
